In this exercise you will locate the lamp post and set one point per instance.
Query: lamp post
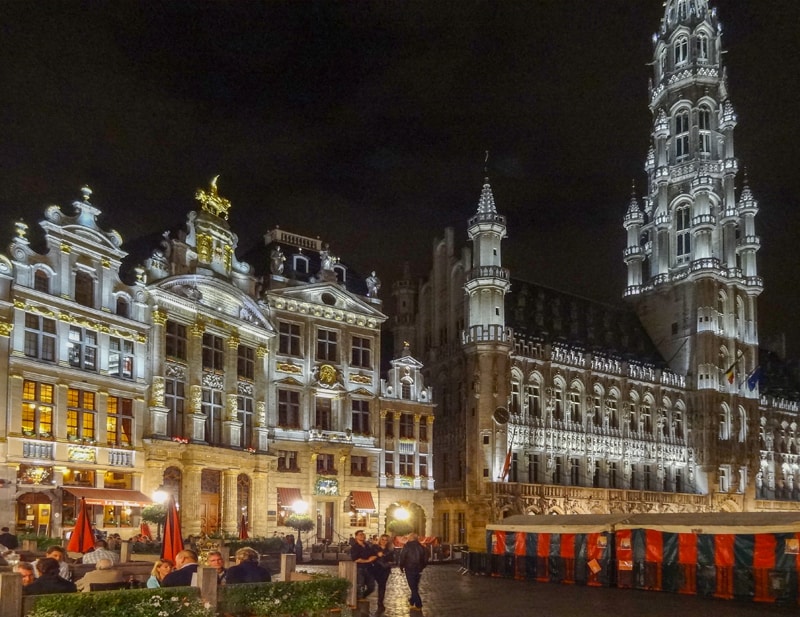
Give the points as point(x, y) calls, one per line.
point(160, 496)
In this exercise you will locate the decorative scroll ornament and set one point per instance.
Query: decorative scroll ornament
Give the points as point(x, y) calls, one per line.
point(211, 202)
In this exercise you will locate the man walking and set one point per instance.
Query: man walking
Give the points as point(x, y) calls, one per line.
point(364, 556)
point(412, 561)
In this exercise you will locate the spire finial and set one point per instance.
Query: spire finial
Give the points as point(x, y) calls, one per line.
point(486, 163)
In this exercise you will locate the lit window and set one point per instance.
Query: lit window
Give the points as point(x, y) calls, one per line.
point(119, 421)
point(120, 358)
point(37, 408)
point(683, 236)
point(81, 413)
point(82, 348)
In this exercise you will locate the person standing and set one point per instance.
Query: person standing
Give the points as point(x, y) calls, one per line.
point(8, 539)
point(364, 556)
point(412, 561)
point(382, 568)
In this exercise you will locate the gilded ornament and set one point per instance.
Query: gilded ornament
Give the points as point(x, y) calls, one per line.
point(285, 367)
point(327, 375)
point(160, 317)
point(6, 328)
point(204, 246)
point(365, 379)
point(211, 202)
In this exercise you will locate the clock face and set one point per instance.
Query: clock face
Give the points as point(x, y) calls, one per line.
point(501, 415)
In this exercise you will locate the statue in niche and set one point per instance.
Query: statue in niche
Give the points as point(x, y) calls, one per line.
point(373, 285)
point(276, 261)
point(325, 258)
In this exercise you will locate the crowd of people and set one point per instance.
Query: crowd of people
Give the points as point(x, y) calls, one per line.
point(375, 558)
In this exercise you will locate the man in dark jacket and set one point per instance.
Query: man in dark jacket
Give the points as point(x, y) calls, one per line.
point(364, 556)
point(49, 581)
point(247, 569)
point(8, 539)
point(185, 569)
point(412, 561)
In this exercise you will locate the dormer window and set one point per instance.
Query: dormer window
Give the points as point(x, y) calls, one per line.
point(41, 281)
point(681, 51)
point(123, 308)
point(341, 273)
point(84, 289)
point(300, 264)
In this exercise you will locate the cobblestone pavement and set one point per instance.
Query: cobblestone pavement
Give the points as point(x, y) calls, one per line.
point(446, 593)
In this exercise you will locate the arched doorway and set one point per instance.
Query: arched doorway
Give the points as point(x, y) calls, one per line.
point(34, 512)
point(403, 517)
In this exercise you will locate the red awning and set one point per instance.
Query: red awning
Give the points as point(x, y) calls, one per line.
point(110, 496)
point(288, 496)
point(362, 501)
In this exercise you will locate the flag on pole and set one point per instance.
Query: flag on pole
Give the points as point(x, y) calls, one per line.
point(754, 378)
point(731, 372)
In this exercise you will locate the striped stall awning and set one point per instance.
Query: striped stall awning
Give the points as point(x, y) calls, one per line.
point(362, 501)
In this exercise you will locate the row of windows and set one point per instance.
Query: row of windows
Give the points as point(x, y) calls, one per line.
point(681, 133)
point(84, 291)
point(41, 342)
point(289, 343)
point(405, 465)
point(39, 411)
point(680, 52)
point(605, 411)
point(288, 461)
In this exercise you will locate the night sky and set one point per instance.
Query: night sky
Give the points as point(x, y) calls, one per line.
point(366, 123)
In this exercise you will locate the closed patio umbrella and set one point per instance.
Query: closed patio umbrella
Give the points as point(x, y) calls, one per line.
point(82, 538)
point(173, 539)
point(243, 529)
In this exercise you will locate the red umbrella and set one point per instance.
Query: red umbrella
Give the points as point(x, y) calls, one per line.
point(82, 538)
point(243, 529)
point(144, 531)
point(173, 540)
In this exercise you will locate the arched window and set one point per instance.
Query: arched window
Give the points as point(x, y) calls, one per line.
point(683, 237)
point(681, 50)
point(681, 135)
point(533, 399)
point(84, 289)
point(742, 428)
point(704, 130)
point(724, 423)
point(702, 46)
point(123, 308)
point(575, 404)
point(41, 281)
point(300, 264)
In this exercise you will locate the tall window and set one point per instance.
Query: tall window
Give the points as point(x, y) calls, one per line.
point(84, 289)
point(288, 409)
point(176, 342)
point(646, 420)
point(423, 429)
point(406, 464)
point(360, 418)
point(289, 339)
point(362, 352)
point(82, 348)
point(81, 414)
point(574, 406)
point(389, 425)
point(423, 465)
point(612, 475)
point(41, 281)
point(37, 408)
point(123, 308)
point(119, 421)
point(724, 423)
point(515, 399)
point(677, 421)
point(702, 47)
point(682, 135)
point(683, 237)
point(213, 353)
point(407, 425)
point(613, 416)
point(323, 413)
point(327, 345)
point(40, 337)
point(174, 400)
point(244, 413)
point(681, 50)
point(120, 357)
point(558, 403)
point(704, 127)
point(246, 362)
point(534, 399)
point(213, 409)
point(575, 472)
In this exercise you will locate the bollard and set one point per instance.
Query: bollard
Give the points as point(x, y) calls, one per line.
point(124, 551)
point(10, 594)
point(288, 563)
point(348, 570)
point(207, 582)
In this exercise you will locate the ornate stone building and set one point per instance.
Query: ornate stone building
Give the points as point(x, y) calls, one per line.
point(549, 403)
point(74, 343)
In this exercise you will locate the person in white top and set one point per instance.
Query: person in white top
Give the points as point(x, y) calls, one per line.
point(100, 552)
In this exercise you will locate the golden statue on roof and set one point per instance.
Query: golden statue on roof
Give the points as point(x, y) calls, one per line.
point(211, 201)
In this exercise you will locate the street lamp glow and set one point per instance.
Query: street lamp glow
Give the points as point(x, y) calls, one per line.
point(160, 495)
point(300, 507)
point(401, 514)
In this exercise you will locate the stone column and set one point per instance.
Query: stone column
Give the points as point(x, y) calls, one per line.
point(230, 511)
point(259, 503)
point(190, 500)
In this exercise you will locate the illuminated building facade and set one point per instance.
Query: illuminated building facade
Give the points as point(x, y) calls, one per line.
point(74, 347)
point(549, 403)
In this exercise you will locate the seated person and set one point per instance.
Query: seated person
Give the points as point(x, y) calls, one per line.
point(104, 572)
point(60, 555)
point(25, 569)
point(161, 568)
point(49, 581)
point(247, 568)
point(185, 569)
point(215, 560)
point(100, 552)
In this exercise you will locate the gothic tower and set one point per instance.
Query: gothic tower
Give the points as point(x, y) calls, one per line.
point(487, 348)
point(691, 249)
